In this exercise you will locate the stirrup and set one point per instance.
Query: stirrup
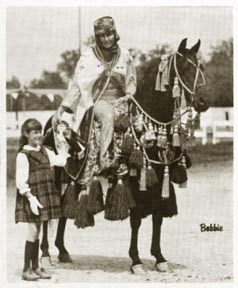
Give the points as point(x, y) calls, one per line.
point(138, 269)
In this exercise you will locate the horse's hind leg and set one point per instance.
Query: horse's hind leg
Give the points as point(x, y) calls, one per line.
point(135, 221)
point(161, 263)
point(59, 241)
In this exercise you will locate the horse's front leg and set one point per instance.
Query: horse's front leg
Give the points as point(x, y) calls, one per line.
point(59, 241)
point(135, 221)
point(161, 263)
point(44, 243)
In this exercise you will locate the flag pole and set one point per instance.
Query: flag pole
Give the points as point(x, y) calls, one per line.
point(80, 28)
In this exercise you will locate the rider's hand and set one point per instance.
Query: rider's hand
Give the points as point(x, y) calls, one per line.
point(126, 98)
point(34, 203)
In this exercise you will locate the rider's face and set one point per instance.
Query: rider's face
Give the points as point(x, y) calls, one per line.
point(107, 40)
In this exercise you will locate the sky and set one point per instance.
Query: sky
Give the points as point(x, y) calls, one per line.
point(36, 36)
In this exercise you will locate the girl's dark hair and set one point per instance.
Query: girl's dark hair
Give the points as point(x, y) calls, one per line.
point(29, 125)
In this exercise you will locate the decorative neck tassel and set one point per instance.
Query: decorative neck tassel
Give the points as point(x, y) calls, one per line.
point(95, 196)
point(196, 122)
point(184, 184)
point(176, 138)
point(142, 181)
point(136, 158)
point(178, 174)
point(192, 139)
point(117, 207)
point(176, 88)
point(159, 137)
point(127, 144)
point(164, 139)
point(70, 201)
point(83, 218)
point(165, 187)
point(151, 177)
point(183, 103)
point(190, 119)
point(130, 198)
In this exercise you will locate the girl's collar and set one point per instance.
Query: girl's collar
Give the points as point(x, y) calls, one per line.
point(31, 148)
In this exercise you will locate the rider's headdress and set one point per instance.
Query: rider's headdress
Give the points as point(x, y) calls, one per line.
point(104, 25)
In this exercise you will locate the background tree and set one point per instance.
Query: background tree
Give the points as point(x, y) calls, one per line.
point(13, 83)
point(219, 75)
point(48, 80)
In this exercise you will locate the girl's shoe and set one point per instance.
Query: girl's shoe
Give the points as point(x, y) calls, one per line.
point(29, 275)
point(42, 273)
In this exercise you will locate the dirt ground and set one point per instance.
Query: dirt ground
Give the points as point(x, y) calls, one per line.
point(100, 254)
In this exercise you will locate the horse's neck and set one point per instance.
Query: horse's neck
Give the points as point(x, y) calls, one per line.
point(157, 104)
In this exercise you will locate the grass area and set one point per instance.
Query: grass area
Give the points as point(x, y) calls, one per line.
point(199, 154)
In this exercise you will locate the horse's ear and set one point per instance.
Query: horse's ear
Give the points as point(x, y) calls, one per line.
point(195, 48)
point(182, 45)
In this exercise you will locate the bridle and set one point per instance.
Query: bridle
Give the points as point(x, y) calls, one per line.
point(198, 71)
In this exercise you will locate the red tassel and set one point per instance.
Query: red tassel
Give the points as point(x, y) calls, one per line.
point(136, 159)
point(142, 180)
point(117, 208)
point(151, 177)
point(165, 188)
point(95, 197)
point(130, 199)
point(83, 218)
point(70, 201)
point(159, 137)
point(179, 174)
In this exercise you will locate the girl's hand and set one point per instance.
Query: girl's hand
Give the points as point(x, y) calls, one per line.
point(34, 204)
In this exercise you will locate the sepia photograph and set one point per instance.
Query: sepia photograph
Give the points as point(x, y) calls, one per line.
point(119, 144)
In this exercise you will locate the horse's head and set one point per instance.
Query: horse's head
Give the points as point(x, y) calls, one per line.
point(189, 71)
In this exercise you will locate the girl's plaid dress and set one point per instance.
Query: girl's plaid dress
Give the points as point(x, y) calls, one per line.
point(42, 184)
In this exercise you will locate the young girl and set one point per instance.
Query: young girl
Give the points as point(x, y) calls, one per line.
point(37, 197)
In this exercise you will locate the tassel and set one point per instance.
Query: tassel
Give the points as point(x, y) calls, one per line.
point(151, 177)
point(165, 188)
point(130, 199)
point(122, 123)
point(142, 181)
point(179, 174)
point(176, 88)
point(127, 144)
point(70, 201)
point(183, 103)
point(83, 218)
point(95, 197)
point(184, 184)
point(176, 138)
point(117, 204)
point(159, 137)
point(136, 159)
point(196, 122)
point(164, 138)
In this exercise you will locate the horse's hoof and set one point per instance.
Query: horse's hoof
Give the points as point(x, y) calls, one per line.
point(162, 267)
point(46, 262)
point(138, 269)
point(65, 258)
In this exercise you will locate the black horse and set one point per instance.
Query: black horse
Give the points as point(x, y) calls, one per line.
point(167, 85)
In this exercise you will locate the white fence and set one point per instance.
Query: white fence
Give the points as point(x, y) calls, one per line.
point(216, 121)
